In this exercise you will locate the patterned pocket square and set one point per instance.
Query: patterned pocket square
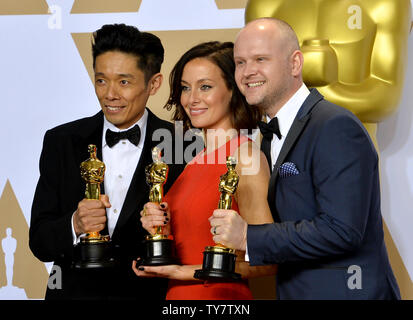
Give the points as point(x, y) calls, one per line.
point(288, 169)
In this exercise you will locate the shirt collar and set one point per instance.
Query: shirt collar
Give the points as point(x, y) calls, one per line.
point(141, 123)
point(289, 110)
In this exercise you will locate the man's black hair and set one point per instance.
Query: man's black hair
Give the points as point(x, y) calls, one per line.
point(128, 39)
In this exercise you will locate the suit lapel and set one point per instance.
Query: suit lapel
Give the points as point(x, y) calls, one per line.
point(299, 123)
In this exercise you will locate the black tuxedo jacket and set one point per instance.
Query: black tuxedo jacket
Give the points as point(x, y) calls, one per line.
point(59, 190)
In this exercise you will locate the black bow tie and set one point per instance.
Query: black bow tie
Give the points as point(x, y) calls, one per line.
point(268, 129)
point(133, 135)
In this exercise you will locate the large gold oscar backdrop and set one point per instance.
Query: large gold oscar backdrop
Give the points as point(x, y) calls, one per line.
point(354, 54)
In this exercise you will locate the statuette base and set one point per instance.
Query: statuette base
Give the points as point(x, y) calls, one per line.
point(158, 251)
point(94, 253)
point(218, 263)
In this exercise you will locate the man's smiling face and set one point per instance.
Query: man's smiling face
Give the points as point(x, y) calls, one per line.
point(121, 88)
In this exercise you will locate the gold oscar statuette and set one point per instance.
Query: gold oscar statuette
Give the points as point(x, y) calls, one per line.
point(94, 250)
point(219, 261)
point(158, 247)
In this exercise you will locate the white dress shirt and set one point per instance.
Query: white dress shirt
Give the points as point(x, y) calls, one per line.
point(286, 116)
point(121, 161)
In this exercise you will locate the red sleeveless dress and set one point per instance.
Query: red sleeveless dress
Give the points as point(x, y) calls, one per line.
point(192, 199)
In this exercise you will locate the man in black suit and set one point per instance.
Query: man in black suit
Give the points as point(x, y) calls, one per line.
point(127, 66)
point(324, 190)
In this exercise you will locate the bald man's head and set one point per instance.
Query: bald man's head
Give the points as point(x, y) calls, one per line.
point(283, 33)
point(268, 63)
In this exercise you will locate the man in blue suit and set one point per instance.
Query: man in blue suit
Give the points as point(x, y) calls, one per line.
point(324, 190)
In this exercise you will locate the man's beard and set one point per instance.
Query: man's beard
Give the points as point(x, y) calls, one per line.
point(271, 100)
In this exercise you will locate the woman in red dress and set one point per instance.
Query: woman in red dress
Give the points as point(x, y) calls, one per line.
point(205, 96)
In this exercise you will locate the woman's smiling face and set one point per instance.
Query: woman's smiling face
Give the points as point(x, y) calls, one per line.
point(205, 95)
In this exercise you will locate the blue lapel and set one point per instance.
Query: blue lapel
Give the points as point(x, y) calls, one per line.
point(299, 123)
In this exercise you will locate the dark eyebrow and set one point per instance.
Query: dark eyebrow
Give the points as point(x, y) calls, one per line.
point(200, 80)
point(126, 75)
point(120, 75)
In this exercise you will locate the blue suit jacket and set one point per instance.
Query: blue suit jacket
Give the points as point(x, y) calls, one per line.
point(327, 217)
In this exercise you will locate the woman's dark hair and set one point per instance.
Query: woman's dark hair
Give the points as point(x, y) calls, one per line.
point(221, 54)
point(128, 39)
